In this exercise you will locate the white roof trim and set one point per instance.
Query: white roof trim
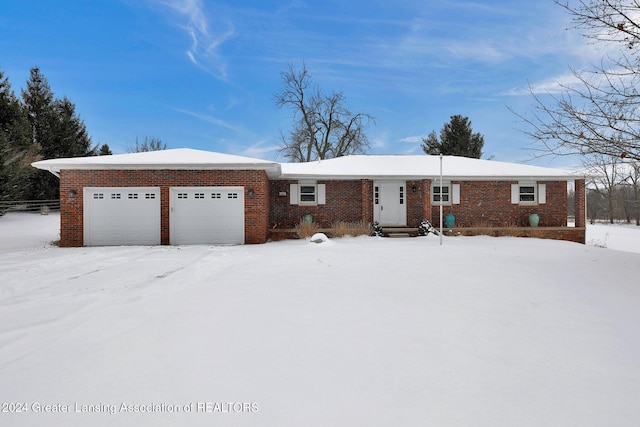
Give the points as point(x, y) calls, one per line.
point(399, 167)
point(173, 159)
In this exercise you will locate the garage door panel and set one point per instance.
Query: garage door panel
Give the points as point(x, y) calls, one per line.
point(207, 215)
point(121, 216)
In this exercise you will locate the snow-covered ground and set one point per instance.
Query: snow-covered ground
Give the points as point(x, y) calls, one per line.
point(622, 237)
point(351, 332)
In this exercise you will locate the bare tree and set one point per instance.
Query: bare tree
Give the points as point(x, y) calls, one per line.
point(323, 126)
point(149, 144)
point(632, 182)
point(601, 113)
point(605, 173)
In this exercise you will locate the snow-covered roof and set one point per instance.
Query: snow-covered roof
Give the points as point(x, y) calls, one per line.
point(348, 167)
point(416, 167)
point(176, 159)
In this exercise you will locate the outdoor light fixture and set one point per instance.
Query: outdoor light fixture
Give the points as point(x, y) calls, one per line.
point(251, 192)
point(72, 194)
point(413, 188)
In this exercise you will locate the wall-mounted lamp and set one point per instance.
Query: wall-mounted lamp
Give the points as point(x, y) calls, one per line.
point(251, 192)
point(413, 188)
point(72, 194)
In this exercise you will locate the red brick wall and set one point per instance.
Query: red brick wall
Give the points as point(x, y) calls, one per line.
point(71, 209)
point(348, 201)
point(488, 204)
point(366, 200)
point(580, 202)
point(418, 202)
point(482, 203)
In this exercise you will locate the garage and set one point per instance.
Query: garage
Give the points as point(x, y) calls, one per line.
point(206, 215)
point(116, 216)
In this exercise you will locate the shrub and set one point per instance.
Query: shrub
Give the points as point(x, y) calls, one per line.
point(306, 229)
point(356, 228)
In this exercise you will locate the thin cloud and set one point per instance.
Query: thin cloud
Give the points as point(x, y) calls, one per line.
point(412, 139)
point(261, 151)
point(211, 119)
point(205, 43)
point(552, 85)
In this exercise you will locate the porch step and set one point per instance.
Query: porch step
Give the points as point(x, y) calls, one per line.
point(400, 231)
point(398, 235)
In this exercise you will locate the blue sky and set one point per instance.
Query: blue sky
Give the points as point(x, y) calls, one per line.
point(202, 74)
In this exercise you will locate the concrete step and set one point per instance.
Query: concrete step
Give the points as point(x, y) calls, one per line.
point(398, 235)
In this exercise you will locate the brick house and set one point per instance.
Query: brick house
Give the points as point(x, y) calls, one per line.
point(185, 196)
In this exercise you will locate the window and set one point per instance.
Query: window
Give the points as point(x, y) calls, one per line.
point(402, 195)
point(216, 195)
point(438, 193)
point(450, 193)
point(307, 194)
point(116, 195)
point(199, 195)
point(232, 196)
point(132, 196)
point(527, 193)
point(98, 196)
point(376, 193)
point(183, 196)
point(149, 196)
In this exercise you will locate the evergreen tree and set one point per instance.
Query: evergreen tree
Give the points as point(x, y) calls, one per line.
point(456, 138)
point(56, 131)
point(69, 134)
point(38, 101)
point(14, 142)
point(104, 150)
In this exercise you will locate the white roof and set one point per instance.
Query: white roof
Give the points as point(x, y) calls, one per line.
point(417, 167)
point(348, 167)
point(178, 158)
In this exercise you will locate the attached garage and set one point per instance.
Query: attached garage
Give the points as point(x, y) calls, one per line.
point(116, 216)
point(177, 196)
point(206, 215)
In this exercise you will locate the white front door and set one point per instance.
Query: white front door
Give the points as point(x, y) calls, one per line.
point(390, 203)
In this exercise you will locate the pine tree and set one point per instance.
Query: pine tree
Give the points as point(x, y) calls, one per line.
point(38, 101)
point(14, 142)
point(56, 131)
point(104, 150)
point(456, 138)
point(69, 134)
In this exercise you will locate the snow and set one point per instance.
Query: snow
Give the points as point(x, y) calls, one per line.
point(319, 238)
point(407, 166)
point(347, 167)
point(177, 158)
point(369, 331)
point(625, 237)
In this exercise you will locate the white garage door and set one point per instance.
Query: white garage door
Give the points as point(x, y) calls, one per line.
point(121, 216)
point(207, 215)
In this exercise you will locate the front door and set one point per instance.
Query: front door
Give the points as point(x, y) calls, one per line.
point(390, 203)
